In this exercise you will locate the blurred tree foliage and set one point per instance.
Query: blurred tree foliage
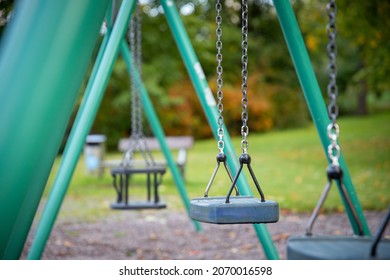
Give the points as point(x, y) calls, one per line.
point(366, 25)
point(275, 98)
point(363, 41)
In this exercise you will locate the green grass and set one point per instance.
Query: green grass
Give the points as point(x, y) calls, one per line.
point(290, 166)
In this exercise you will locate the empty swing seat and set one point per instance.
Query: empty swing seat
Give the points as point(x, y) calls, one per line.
point(335, 248)
point(153, 176)
point(240, 210)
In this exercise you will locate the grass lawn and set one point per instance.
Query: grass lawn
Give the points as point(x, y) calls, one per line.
point(289, 165)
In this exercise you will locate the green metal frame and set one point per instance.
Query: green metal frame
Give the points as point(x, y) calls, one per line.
point(45, 53)
point(83, 123)
point(87, 113)
point(20, 195)
point(81, 126)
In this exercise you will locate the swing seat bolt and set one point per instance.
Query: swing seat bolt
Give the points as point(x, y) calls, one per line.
point(221, 157)
point(245, 159)
point(334, 172)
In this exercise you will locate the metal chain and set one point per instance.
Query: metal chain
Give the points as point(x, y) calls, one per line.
point(134, 118)
point(244, 75)
point(129, 154)
point(332, 90)
point(138, 61)
point(138, 141)
point(219, 70)
point(135, 48)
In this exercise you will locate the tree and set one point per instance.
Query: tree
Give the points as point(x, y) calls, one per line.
point(370, 23)
point(363, 40)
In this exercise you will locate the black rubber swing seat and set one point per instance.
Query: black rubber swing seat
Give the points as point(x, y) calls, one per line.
point(138, 205)
point(335, 248)
point(239, 210)
point(153, 175)
point(323, 247)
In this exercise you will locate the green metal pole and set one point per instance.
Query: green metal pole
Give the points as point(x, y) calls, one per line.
point(44, 56)
point(313, 96)
point(159, 133)
point(209, 107)
point(80, 130)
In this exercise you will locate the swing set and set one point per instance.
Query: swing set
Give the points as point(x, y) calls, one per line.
point(243, 207)
point(237, 209)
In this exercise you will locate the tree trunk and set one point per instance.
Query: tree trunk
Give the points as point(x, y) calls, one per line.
point(362, 98)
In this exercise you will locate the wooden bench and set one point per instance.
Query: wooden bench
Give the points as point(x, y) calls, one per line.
point(180, 143)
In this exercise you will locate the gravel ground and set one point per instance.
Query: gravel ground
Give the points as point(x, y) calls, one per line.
point(168, 234)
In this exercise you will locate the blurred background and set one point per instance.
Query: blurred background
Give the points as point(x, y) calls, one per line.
point(282, 134)
point(276, 101)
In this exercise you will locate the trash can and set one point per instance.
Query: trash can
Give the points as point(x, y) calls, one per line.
point(94, 150)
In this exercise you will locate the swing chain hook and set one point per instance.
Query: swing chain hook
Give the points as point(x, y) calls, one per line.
point(333, 148)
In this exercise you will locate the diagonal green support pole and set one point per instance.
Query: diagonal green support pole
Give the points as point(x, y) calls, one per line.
point(44, 56)
point(81, 127)
point(209, 107)
point(159, 133)
point(314, 97)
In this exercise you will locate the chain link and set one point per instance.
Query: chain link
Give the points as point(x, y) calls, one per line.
point(244, 76)
point(134, 113)
point(218, 19)
point(332, 90)
point(138, 61)
point(135, 38)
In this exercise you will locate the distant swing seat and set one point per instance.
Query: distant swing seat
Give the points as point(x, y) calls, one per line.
point(137, 143)
point(121, 183)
